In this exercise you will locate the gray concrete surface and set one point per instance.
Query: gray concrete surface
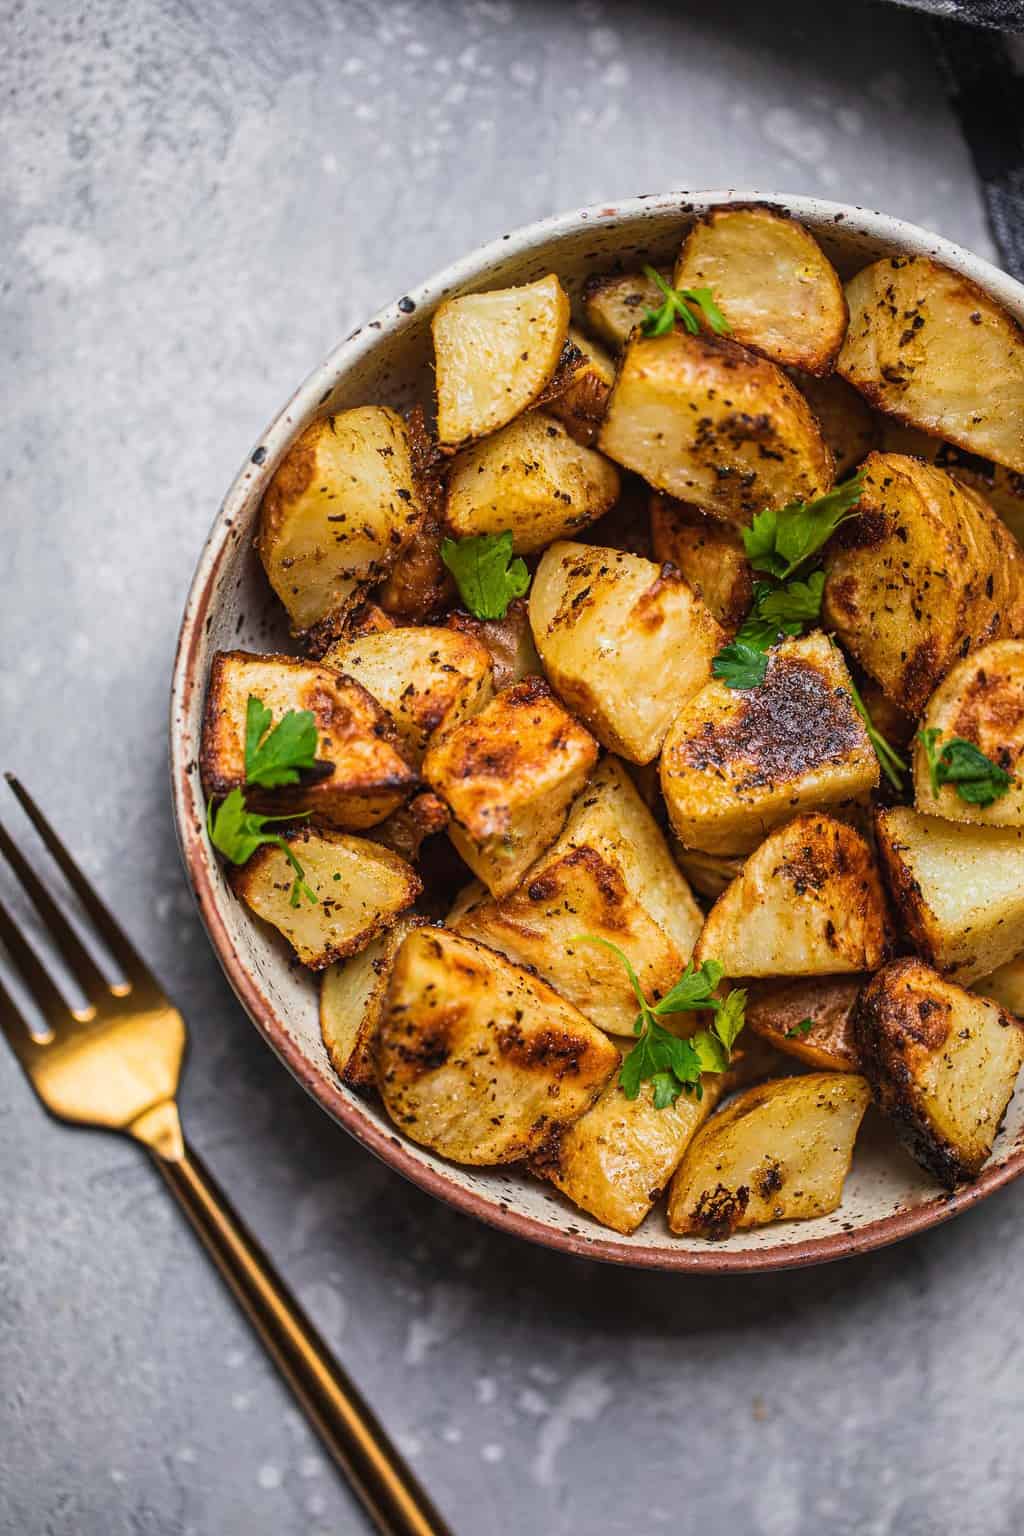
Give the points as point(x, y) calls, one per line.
point(197, 200)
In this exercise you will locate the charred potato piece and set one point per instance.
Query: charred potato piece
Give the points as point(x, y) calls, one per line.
point(1005, 986)
point(360, 889)
point(479, 1060)
point(925, 344)
point(623, 641)
point(737, 762)
point(771, 280)
point(406, 829)
point(494, 354)
point(959, 888)
point(811, 1019)
point(712, 424)
point(709, 554)
point(848, 424)
point(614, 305)
point(942, 1064)
point(982, 701)
point(611, 875)
point(352, 994)
point(509, 641)
point(808, 903)
point(778, 1152)
point(508, 776)
point(419, 585)
point(582, 393)
point(360, 776)
point(530, 478)
point(341, 504)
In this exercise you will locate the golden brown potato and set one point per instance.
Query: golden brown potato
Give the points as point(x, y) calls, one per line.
point(367, 619)
point(610, 875)
point(623, 641)
point(1005, 986)
point(509, 641)
point(428, 680)
point(925, 574)
point(925, 345)
point(478, 1059)
point(737, 762)
point(848, 424)
point(708, 873)
point(581, 394)
point(772, 281)
point(982, 701)
point(809, 1018)
point(495, 352)
point(352, 994)
point(959, 888)
point(360, 775)
point(709, 554)
point(712, 424)
point(1001, 488)
point(341, 504)
point(508, 776)
point(808, 903)
point(406, 829)
point(360, 889)
point(613, 305)
point(778, 1152)
point(942, 1064)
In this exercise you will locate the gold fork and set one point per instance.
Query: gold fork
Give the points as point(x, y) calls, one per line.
point(115, 1063)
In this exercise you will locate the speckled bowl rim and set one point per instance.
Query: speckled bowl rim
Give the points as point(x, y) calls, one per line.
point(189, 810)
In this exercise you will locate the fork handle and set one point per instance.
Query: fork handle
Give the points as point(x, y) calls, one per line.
point(346, 1424)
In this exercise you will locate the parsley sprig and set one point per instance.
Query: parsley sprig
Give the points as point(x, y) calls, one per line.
point(678, 305)
point(780, 540)
point(237, 833)
point(975, 777)
point(799, 1030)
point(485, 573)
point(673, 1064)
point(788, 609)
point(892, 764)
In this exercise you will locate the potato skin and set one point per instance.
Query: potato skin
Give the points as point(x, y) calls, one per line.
point(352, 995)
point(982, 701)
point(508, 640)
point(776, 1009)
point(708, 553)
point(580, 397)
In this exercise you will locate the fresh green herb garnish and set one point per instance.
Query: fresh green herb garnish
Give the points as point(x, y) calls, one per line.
point(670, 1063)
point(976, 778)
point(740, 664)
point(485, 573)
point(777, 611)
point(892, 764)
point(780, 540)
point(803, 1028)
point(275, 757)
point(237, 833)
point(677, 306)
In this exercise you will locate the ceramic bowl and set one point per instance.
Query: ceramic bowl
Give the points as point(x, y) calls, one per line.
point(230, 606)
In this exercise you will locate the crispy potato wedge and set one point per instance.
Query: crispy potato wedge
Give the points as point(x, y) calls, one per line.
point(341, 504)
point(1005, 986)
point(613, 305)
point(1001, 488)
point(611, 875)
point(508, 776)
point(808, 903)
point(982, 701)
point(532, 478)
point(352, 994)
point(737, 762)
point(509, 641)
point(428, 679)
point(848, 424)
point(478, 1059)
point(360, 888)
point(709, 554)
point(772, 281)
point(925, 344)
point(809, 1018)
point(942, 1064)
point(494, 354)
point(778, 1152)
point(363, 776)
point(581, 394)
point(959, 888)
point(712, 424)
point(924, 575)
point(623, 641)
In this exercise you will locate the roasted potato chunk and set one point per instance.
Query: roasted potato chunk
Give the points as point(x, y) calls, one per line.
point(360, 775)
point(924, 344)
point(737, 762)
point(959, 888)
point(615, 304)
point(712, 424)
point(708, 873)
point(508, 776)
point(509, 641)
point(579, 398)
point(623, 641)
point(709, 554)
point(495, 352)
point(611, 875)
point(925, 574)
point(406, 829)
point(352, 994)
point(778, 1152)
point(478, 1059)
point(360, 889)
point(848, 424)
point(982, 701)
point(771, 280)
point(942, 1064)
point(1005, 986)
point(341, 504)
point(428, 680)
point(808, 903)
point(811, 1019)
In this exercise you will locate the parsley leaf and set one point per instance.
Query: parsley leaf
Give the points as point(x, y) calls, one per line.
point(892, 764)
point(485, 573)
point(793, 606)
point(679, 304)
point(777, 611)
point(692, 991)
point(781, 540)
point(730, 1017)
point(803, 1028)
point(741, 665)
point(274, 757)
point(976, 778)
point(237, 833)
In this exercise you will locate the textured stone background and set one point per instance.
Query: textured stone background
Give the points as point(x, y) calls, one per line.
point(198, 199)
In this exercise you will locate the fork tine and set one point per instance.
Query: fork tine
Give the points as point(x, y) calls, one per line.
point(16, 1031)
point(51, 1004)
point(121, 947)
point(91, 979)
